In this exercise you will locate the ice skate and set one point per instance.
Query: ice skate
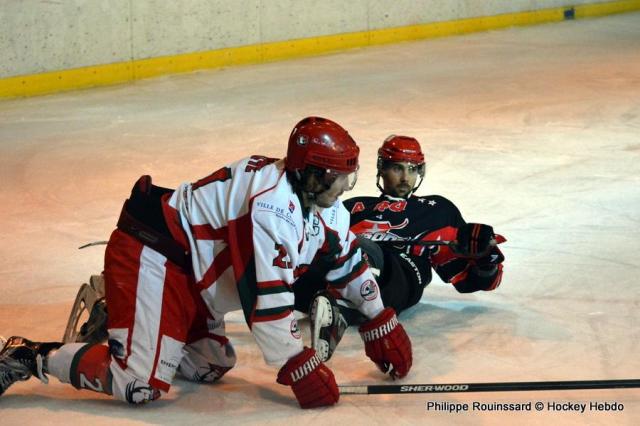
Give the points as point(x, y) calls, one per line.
point(90, 302)
point(94, 330)
point(21, 358)
point(327, 325)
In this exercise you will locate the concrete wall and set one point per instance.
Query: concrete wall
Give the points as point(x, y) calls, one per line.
point(39, 36)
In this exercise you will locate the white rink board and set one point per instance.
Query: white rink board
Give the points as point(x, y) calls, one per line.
point(41, 36)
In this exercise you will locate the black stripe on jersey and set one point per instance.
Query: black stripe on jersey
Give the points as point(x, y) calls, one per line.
point(280, 310)
point(332, 241)
point(352, 251)
point(273, 290)
point(357, 270)
point(247, 289)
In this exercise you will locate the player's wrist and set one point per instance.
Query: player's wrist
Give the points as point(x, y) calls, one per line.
point(379, 326)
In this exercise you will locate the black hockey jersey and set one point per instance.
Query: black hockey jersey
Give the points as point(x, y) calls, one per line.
point(431, 217)
point(386, 218)
point(407, 268)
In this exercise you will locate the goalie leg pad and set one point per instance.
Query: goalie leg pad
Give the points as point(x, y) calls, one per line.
point(327, 325)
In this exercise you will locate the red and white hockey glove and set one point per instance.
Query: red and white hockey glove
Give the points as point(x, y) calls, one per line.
point(387, 344)
point(312, 382)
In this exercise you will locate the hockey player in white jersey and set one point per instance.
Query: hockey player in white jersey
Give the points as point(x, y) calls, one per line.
point(237, 239)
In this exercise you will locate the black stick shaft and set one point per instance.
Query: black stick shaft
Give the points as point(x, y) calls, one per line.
point(489, 387)
point(415, 242)
point(451, 244)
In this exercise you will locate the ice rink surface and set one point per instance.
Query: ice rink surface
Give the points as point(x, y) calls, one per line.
point(534, 130)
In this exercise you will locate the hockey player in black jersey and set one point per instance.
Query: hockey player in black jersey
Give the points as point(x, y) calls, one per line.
point(394, 230)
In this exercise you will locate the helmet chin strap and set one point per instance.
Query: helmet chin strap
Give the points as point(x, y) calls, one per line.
point(378, 183)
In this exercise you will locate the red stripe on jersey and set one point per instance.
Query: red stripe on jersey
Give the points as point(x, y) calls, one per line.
point(241, 243)
point(273, 284)
point(325, 245)
point(459, 277)
point(208, 232)
point(240, 239)
point(220, 263)
point(353, 247)
point(220, 175)
point(299, 270)
point(242, 249)
point(352, 276)
point(242, 224)
point(474, 241)
point(443, 254)
point(335, 293)
point(497, 280)
point(172, 220)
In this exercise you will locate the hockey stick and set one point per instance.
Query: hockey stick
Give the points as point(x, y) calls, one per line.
point(95, 243)
point(489, 387)
point(416, 242)
point(451, 244)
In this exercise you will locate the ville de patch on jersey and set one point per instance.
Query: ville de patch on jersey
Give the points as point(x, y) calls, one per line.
point(249, 240)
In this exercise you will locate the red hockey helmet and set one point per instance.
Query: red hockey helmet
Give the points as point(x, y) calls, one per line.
point(398, 149)
point(322, 143)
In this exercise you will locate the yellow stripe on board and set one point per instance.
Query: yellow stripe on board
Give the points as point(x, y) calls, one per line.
point(57, 81)
point(609, 8)
point(103, 75)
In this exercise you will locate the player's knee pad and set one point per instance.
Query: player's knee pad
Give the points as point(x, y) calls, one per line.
point(208, 359)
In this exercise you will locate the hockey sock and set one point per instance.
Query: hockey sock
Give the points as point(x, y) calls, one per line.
point(84, 366)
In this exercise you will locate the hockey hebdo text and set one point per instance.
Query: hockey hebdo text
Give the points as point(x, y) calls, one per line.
point(548, 406)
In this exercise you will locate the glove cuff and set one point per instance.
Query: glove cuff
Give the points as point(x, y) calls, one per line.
point(380, 326)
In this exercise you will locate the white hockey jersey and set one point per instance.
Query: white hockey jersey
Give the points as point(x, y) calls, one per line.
point(249, 242)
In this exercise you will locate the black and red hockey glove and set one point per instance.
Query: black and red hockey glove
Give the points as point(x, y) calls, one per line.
point(312, 382)
point(387, 344)
point(475, 240)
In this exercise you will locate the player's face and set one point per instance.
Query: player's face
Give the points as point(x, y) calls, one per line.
point(398, 179)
